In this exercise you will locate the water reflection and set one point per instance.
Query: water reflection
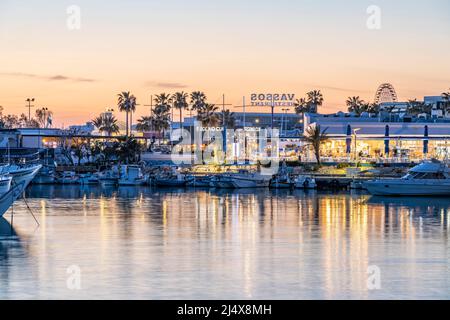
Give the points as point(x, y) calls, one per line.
point(165, 243)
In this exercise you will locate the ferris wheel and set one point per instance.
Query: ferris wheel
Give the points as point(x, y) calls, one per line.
point(385, 93)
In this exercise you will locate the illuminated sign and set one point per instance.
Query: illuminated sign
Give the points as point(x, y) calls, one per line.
point(275, 99)
point(210, 129)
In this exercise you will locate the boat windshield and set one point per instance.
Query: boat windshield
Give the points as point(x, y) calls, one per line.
point(425, 175)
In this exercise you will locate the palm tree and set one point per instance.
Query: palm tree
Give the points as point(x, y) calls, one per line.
point(227, 119)
point(180, 103)
point(315, 100)
point(208, 115)
point(129, 150)
point(126, 102)
point(106, 123)
point(160, 118)
point(144, 124)
point(198, 101)
point(356, 105)
point(316, 137)
point(301, 106)
point(415, 107)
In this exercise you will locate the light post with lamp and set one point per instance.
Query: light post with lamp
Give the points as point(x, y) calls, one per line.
point(29, 100)
point(355, 131)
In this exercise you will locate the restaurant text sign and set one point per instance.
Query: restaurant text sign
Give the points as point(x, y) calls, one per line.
point(272, 99)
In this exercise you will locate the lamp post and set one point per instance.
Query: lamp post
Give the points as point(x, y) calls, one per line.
point(355, 131)
point(284, 120)
point(29, 100)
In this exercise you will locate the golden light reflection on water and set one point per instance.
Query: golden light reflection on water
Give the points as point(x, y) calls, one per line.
point(245, 244)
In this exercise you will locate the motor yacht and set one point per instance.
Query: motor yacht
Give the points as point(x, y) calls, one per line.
point(430, 178)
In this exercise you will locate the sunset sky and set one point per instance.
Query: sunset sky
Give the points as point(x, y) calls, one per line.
point(235, 47)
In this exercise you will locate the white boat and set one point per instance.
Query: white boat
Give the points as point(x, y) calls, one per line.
point(5, 183)
point(21, 173)
point(177, 180)
point(45, 176)
point(430, 178)
point(245, 179)
point(109, 177)
point(67, 177)
point(131, 176)
point(199, 181)
point(88, 179)
point(304, 182)
point(18, 185)
point(221, 181)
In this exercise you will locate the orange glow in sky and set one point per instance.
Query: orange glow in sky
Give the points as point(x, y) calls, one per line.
point(219, 47)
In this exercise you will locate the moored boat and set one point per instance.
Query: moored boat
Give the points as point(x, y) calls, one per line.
point(304, 182)
point(131, 176)
point(430, 178)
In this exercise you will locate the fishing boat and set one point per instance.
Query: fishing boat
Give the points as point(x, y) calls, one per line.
point(45, 176)
point(109, 177)
point(305, 182)
point(88, 179)
point(430, 178)
point(245, 179)
point(221, 181)
point(282, 180)
point(199, 181)
point(170, 181)
point(131, 176)
point(67, 177)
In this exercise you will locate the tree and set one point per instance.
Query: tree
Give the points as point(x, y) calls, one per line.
point(106, 123)
point(198, 101)
point(160, 118)
point(315, 100)
point(208, 116)
point(316, 137)
point(227, 119)
point(144, 124)
point(356, 105)
point(10, 121)
point(129, 150)
point(126, 102)
point(301, 106)
point(415, 107)
point(180, 103)
point(43, 117)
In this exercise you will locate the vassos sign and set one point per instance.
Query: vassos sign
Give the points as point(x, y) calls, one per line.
point(275, 99)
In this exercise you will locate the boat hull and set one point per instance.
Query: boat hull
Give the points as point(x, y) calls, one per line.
point(400, 188)
point(170, 183)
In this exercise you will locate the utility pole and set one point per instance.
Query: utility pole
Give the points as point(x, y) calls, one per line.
point(29, 100)
point(151, 107)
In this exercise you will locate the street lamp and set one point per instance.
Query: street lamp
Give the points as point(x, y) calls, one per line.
point(283, 120)
point(29, 100)
point(355, 131)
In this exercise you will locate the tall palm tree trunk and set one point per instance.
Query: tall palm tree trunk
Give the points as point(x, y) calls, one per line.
point(126, 123)
point(131, 123)
point(181, 119)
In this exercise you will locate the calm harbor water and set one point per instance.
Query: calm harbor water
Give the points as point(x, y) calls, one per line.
point(143, 243)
